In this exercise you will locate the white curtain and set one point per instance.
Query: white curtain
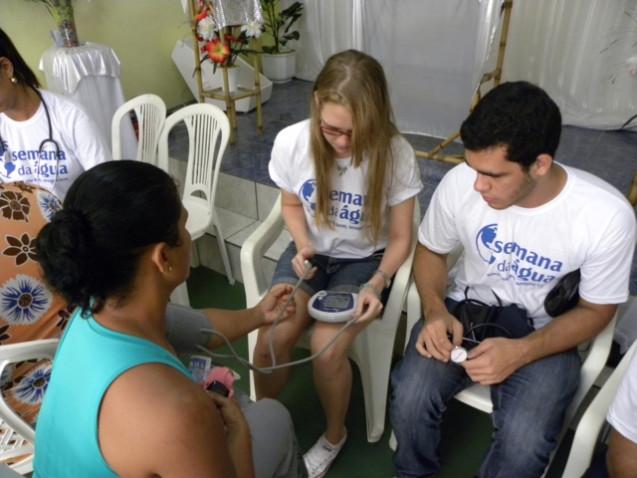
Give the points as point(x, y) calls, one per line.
point(580, 51)
point(433, 51)
point(326, 27)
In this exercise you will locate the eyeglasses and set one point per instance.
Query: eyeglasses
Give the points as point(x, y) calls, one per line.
point(332, 131)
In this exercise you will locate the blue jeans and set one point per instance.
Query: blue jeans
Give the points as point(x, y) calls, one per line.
point(528, 412)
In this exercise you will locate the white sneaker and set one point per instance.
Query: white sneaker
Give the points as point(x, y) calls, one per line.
point(319, 458)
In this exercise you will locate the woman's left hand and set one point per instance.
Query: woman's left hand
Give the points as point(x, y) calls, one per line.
point(369, 305)
point(271, 306)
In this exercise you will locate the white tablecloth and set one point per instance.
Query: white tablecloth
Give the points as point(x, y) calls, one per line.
point(89, 74)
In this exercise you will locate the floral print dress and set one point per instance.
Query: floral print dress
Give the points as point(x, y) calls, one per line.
point(28, 309)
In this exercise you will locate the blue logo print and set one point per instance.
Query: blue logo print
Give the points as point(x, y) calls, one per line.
point(308, 193)
point(511, 260)
point(346, 208)
point(485, 243)
point(8, 165)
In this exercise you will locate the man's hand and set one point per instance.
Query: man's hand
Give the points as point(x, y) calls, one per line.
point(493, 360)
point(433, 340)
point(299, 265)
point(369, 305)
point(274, 301)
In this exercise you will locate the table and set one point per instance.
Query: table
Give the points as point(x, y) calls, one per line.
point(89, 74)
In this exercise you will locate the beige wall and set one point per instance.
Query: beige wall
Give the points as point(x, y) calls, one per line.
point(142, 33)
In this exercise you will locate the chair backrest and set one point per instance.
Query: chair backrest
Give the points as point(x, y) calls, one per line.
point(208, 133)
point(150, 111)
point(593, 419)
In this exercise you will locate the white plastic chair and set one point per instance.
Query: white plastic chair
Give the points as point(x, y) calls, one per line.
point(479, 396)
point(16, 435)
point(372, 349)
point(208, 133)
point(593, 419)
point(151, 113)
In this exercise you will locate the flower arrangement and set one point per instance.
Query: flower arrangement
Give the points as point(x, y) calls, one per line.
point(223, 48)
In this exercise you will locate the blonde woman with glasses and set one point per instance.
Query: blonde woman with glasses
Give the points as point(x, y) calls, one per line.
point(348, 184)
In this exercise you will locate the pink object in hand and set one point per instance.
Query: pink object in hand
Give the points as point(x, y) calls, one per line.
point(223, 375)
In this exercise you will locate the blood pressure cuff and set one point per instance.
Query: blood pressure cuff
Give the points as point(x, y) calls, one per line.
point(564, 296)
point(183, 328)
point(481, 321)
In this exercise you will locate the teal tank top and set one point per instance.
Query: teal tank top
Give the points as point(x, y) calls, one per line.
point(90, 357)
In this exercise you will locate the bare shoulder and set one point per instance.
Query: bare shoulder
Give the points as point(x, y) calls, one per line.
point(154, 420)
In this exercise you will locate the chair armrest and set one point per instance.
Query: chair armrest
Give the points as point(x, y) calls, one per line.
point(12, 353)
point(593, 420)
point(253, 250)
point(592, 365)
point(401, 283)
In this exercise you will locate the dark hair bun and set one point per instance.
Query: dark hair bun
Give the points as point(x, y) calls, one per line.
point(112, 213)
point(66, 252)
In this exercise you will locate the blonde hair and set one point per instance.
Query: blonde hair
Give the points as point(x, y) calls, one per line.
point(357, 82)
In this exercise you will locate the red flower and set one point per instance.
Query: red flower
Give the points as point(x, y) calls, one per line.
point(217, 51)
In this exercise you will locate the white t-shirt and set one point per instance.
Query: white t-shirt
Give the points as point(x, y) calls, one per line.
point(80, 146)
point(622, 414)
point(520, 253)
point(292, 169)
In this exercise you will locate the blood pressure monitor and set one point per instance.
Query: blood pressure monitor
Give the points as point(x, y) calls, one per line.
point(332, 306)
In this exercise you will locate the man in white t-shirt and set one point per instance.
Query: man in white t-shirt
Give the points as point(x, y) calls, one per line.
point(523, 222)
point(622, 447)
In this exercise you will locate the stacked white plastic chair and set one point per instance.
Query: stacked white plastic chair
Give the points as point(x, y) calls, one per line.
point(372, 349)
point(150, 111)
point(17, 436)
point(208, 133)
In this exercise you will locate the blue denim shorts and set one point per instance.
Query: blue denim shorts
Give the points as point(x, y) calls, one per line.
point(345, 275)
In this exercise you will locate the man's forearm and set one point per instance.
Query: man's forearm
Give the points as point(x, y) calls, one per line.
point(567, 331)
point(430, 274)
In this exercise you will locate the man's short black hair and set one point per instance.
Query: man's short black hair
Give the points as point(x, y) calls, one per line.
point(517, 115)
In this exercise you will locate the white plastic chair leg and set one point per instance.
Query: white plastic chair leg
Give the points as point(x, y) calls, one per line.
point(223, 250)
point(252, 343)
point(374, 379)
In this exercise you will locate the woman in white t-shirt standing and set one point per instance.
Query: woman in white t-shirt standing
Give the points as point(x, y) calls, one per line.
point(348, 183)
point(45, 139)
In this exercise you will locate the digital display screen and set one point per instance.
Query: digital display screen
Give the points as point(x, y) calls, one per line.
point(336, 302)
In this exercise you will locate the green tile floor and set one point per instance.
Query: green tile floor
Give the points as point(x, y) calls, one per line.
point(466, 432)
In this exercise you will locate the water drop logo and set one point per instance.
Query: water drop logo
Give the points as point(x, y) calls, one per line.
point(485, 242)
point(5, 158)
point(308, 193)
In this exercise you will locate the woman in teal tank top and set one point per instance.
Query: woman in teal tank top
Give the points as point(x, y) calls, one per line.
point(119, 402)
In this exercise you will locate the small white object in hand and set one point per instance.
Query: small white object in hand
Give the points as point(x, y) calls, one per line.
point(458, 354)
